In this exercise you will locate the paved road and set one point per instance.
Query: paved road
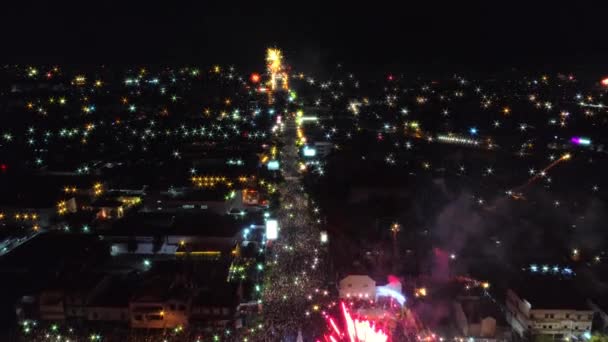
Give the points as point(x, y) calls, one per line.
point(295, 271)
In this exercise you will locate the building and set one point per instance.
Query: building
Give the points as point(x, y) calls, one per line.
point(548, 306)
point(51, 306)
point(215, 306)
point(357, 286)
point(193, 201)
point(323, 148)
point(479, 318)
point(111, 304)
point(168, 233)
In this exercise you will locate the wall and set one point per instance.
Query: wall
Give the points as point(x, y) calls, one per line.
point(115, 314)
point(358, 286)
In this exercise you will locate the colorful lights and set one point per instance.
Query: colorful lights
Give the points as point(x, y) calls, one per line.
point(547, 269)
point(274, 65)
point(580, 141)
point(453, 139)
point(388, 291)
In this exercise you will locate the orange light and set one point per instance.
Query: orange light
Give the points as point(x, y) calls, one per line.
point(605, 82)
point(255, 77)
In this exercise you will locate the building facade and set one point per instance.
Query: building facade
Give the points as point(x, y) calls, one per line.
point(526, 319)
point(357, 286)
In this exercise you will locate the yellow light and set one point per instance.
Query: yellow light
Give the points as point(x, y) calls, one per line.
point(80, 80)
point(566, 156)
point(274, 59)
point(202, 253)
point(421, 292)
point(98, 83)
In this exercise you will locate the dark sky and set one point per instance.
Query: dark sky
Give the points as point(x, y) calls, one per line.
point(471, 33)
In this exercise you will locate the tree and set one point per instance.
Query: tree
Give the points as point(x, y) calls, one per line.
point(599, 338)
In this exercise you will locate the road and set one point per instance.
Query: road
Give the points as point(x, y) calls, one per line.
point(295, 273)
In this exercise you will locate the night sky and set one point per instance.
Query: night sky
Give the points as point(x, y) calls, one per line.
point(369, 35)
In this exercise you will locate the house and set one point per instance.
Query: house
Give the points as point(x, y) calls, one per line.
point(479, 318)
point(215, 307)
point(51, 306)
point(111, 304)
point(357, 286)
point(160, 303)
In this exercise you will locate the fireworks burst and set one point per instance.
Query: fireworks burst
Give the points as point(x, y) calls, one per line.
point(355, 330)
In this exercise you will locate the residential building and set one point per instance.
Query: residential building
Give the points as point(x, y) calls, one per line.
point(548, 306)
point(357, 286)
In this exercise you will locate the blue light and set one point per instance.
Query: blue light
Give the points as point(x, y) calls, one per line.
point(309, 151)
point(473, 130)
point(385, 291)
point(273, 165)
point(533, 268)
point(567, 271)
point(587, 335)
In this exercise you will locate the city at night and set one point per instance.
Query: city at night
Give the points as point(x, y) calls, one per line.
point(302, 172)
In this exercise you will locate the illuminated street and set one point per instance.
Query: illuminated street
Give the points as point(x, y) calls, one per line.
point(299, 172)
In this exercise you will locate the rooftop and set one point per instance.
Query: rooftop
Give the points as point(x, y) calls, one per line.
point(202, 224)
